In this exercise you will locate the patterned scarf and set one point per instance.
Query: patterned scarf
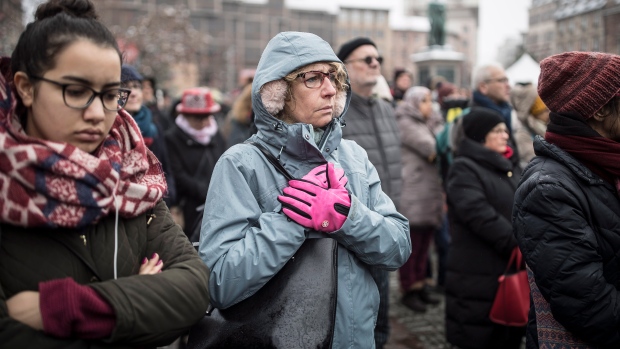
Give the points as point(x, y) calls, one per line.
point(599, 154)
point(53, 184)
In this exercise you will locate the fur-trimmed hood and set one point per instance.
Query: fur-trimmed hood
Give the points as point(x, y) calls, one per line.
point(285, 53)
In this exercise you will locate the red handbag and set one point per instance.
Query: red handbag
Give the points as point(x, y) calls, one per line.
point(512, 300)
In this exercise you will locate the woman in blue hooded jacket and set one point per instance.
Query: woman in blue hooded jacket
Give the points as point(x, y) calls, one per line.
point(299, 96)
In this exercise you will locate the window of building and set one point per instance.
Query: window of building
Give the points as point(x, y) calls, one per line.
point(355, 16)
point(584, 22)
point(595, 45)
point(380, 33)
point(368, 16)
point(596, 20)
point(584, 45)
point(343, 15)
point(381, 16)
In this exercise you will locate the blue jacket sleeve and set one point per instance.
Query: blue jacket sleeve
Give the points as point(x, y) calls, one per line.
point(377, 234)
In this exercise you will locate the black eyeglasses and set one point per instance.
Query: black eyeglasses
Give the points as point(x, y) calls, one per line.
point(503, 80)
point(314, 79)
point(367, 60)
point(79, 96)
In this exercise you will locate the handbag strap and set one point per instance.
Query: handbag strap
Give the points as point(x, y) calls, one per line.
point(515, 256)
point(272, 159)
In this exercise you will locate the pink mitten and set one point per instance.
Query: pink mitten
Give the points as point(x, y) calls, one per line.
point(314, 207)
point(318, 176)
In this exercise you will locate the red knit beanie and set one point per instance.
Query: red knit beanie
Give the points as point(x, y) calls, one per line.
point(581, 82)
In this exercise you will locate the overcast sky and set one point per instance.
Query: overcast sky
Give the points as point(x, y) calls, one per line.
point(499, 20)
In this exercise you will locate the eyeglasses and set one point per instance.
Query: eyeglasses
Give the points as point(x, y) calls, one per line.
point(314, 79)
point(367, 60)
point(500, 130)
point(503, 80)
point(137, 85)
point(80, 97)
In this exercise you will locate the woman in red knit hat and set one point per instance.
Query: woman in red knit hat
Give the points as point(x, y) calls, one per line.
point(567, 210)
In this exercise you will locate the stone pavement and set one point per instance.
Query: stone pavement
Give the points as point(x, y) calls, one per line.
point(410, 330)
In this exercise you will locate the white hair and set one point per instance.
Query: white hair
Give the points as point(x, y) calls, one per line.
point(483, 73)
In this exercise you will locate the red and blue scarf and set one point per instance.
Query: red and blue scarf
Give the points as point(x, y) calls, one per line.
point(52, 184)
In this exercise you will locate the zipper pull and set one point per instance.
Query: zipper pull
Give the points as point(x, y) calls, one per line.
point(83, 237)
point(151, 216)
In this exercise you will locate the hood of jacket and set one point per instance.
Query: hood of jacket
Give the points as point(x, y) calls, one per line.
point(285, 53)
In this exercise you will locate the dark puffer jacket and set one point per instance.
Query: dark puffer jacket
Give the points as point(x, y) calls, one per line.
point(151, 310)
point(371, 123)
point(480, 189)
point(567, 222)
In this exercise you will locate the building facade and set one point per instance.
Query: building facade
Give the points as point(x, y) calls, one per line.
point(541, 36)
point(10, 25)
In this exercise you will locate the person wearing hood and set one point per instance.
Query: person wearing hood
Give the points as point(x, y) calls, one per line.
point(422, 197)
point(533, 115)
point(150, 130)
point(480, 189)
point(566, 214)
point(251, 226)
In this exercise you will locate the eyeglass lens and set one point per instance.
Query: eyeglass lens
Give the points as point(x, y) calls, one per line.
point(368, 59)
point(314, 79)
point(79, 96)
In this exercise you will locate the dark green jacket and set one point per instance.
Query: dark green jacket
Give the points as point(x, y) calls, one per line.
point(150, 310)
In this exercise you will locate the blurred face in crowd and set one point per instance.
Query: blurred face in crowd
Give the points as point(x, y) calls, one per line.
point(313, 95)
point(496, 86)
point(363, 75)
point(403, 82)
point(134, 103)
point(147, 91)
point(426, 106)
point(198, 121)
point(497, 138)
point(55, 99)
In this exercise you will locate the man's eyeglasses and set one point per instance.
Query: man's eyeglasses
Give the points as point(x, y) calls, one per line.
point(79, 96)
point(314, 79)
point(367, 60)
point(503, 80)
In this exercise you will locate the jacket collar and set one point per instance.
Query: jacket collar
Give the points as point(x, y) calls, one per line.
point(544, 148)
point(485, 156)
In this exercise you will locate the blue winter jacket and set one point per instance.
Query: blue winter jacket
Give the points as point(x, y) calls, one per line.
point(245, 239)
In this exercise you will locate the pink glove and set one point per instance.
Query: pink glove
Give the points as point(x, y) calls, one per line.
point(314, 207)
point(318, 177)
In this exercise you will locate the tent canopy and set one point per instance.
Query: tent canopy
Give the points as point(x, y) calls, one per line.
point(524, 70)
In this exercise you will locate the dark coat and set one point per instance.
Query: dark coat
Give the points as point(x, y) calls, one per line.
point(480, 190)
point(192, 165)
point(371, 123)
point(567, 222)
point(150, 310)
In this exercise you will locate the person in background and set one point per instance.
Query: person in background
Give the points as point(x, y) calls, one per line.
point(533, 115)
point(403, 80)
point(480, 190)
point(567, 209)
point(451, 101)
point(150, 92)
point(300, 94)
point(194, 145)
point(240, 120)
point(422, 196)
point(372, 124)
point(150, 130)
point(492, 90)
point(89, 255)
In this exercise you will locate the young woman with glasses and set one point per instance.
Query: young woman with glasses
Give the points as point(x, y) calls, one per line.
point(89, 255)
point(299, 96)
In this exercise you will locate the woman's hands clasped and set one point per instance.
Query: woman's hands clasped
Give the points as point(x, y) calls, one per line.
point(317, 203)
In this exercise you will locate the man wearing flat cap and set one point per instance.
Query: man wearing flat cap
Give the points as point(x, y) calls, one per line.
point(370, 122)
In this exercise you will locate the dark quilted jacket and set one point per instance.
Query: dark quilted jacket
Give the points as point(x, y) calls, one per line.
point(567, 222)
point(480, 189)
point(371, 124)
point(150, 310)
